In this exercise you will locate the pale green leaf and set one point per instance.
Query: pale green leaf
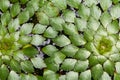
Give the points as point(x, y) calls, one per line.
point(37, 40)
point(109, 67)
point(61, 40)
point(81, 66)
point(15, 9)
point(82, 54)
point(72, 75)
point(97, 71)
point(68, 64)
point(114, 11)
point(86, 75)
point(26, 28)
point(69, 50)
point(105, 76)
point(50, 33)
point(13, 76)
point(4, 5)
point(38, 62)
point(105, 4)
point(27, 66)
point(39, 29)
point(68, 16)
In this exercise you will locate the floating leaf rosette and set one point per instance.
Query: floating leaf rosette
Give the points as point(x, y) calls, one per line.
point(59, 40)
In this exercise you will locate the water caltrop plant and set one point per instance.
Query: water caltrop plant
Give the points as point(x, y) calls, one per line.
point(59, 39)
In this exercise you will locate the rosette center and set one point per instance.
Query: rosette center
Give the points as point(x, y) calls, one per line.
point(104, 45)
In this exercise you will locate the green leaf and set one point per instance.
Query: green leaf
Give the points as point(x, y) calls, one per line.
point(18, 55)
point(27, 66)
point(69, 50)
point(50, 75)
point(23, 77)
point(113, 50)
point(72, 75)
point(50, 33)
point(62, 77)
point(113, 27)
point(118, 44)
point(82, 54)
point(3, 30)
point(13, 76)
point(49, 50)
point(14, 36)
point(105, 76)
point(26, 28)
point(16, 46)
point(5, 18)
point(109, 67)
point(39, 78)
point(93, 60)
point(61, 40)
point(14, 65)
point(41, 3)
point(101, 58)
point(38, 62)
point(97, 71)
point(23, 1)
point(42, 18)
point(4, 72)
point(77, 39)
point(117, 67)
point(114, 11)
point(34, 4)
point(105, 19)
point(84, 12)
point(88, 34)
point(13, 25)
point(13, 1)
point(73, 3)
point(31, 10)
point(15, 9)
point(86, 75)
point(23, 17)
point(91, 47)
point(24, 40)
point(4, 5)
point(1, 62)
point(105, 4)
point(50, 10)
point(114, 57)
point(60, 4)
point(68, 64)
point(81, 24)
point(68, 16)
point(56, 23)
point(51, 65)
point(95, 12)
point(115, 1)
point(89, 3)
point(30, 51)
point(93, 24)
point(6, 59)
point(114, 39)
point(32, 77)
point(116, 76)
point(70, 29)
point(28, 77)
point(81, 66)
point(101, 31)
point(58, 57)
point(39, 29)
point(37, 40)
